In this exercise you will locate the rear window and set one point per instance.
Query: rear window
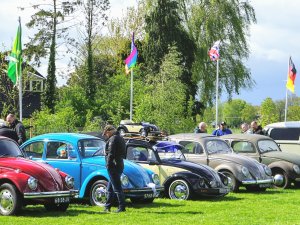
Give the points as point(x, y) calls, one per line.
point(284, 133)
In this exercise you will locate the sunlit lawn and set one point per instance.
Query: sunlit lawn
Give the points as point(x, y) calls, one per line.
point(272, 207)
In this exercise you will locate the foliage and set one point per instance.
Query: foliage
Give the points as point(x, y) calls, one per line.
point(293, 113)
point(268, 112)
point(163, 103)
point(226, 20)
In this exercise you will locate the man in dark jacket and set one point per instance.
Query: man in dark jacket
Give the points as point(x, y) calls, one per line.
point(7, 132)
point(114, 155)
point(256, 129)
point(18, 127)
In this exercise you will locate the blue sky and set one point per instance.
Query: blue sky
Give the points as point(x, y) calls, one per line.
point(272, 40)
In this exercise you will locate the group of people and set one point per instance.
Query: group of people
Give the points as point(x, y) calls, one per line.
point(222, 129)
point(13, 129)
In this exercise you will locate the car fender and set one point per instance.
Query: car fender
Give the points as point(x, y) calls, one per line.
point(123, 127)
point(190, 177)
point(232, 169)
point(287, 167)
point(19, 179)
point(91, 176)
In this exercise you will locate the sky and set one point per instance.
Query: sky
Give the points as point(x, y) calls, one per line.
point(273, 39)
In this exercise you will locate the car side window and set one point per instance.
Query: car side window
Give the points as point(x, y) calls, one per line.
point(35, 149)
point(243, 147)
point(60, 150)
point(137, 153)
point(192, 147)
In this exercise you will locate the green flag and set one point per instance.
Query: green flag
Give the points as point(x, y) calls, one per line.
point(15, 59)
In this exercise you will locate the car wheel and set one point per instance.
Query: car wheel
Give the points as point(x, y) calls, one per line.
point(142, 200)
point(122, 131)
point(179, 189)
point(98, 193)
point(61, 207)
point(10, 200)
point(234, 185)
point(286, 183)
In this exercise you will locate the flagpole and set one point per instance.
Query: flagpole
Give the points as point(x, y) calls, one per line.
point(131, 93)
point(286, 95)
point(217, 92)
point(20, 77)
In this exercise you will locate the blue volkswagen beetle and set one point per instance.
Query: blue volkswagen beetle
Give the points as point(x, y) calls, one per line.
point(82, 156)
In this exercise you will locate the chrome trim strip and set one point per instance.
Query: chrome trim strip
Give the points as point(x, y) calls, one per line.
point(51, 194)
point(267, 181)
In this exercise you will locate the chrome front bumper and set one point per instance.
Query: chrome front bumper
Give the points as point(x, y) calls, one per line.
point(50, 194)
point(251, 182)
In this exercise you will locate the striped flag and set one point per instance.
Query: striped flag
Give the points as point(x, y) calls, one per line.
point(214, 51)
point(290, 84)
point(130, 61)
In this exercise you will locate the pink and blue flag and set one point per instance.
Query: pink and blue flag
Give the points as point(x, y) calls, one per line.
point(214, 51)
point(130, 61)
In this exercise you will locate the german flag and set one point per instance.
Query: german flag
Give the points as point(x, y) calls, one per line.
point(290, 84)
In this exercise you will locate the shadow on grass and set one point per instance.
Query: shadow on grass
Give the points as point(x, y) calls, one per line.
point(267, 192)
point(39, 212)
point(154, 204)
point(172, 212)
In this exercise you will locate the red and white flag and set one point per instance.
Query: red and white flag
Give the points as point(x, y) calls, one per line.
point(214, 51)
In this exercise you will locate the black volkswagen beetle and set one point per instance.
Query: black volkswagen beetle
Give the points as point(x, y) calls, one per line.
point(181, 179)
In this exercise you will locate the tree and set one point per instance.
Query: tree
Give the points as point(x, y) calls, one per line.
point(49, 20)
point(293, 113)
point(268, 112)
point(232, 112)
point(227, 20)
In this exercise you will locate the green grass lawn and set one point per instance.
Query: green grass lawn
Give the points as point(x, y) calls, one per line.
point(271, 207)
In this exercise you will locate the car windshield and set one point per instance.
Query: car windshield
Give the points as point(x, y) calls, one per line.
point(91, 147)
point(217, 147)
point(267, 146)
point(9, 149)
point(168, 150)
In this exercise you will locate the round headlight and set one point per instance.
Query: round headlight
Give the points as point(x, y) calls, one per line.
point(124, 180)
point(155, 179)
point(32, 183)
point(296, 169)
point(69, 181)
point(245, 171)
point(268, 170)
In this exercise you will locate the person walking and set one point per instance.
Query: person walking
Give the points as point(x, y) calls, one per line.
point(7, 132)
point(202, 128)
point(222, 130)
point(18, 127)
point(114, 155)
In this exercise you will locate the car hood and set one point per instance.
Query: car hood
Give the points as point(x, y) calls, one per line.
point(137, 175)
point(46, 175)
point(199, 169)
point(290, 157)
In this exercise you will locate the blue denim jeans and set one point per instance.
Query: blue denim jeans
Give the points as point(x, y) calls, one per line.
point(114, 189)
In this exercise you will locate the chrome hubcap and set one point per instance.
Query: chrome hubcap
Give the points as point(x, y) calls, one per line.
point(99, 195)
point(6, 201)
point(178, 190)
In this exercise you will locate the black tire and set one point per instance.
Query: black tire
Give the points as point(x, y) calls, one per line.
point(286, 180)
point(98, 193)
point(235, 184)
point(179, 189)
point(10, 200)
point(60, 207)
point(255, 189)
point(297, 184)
point(142, 200)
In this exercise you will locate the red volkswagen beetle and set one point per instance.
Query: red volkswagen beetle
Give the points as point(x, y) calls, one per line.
point(24, 182)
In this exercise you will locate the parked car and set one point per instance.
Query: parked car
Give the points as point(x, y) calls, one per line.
point(24, 182)
point(265, 150)
point(286, 134)
point(181, 179)
point(143, 128)
point(216, 153)
point(83, 157)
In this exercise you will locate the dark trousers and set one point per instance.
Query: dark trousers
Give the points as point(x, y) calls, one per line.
point(114, 189)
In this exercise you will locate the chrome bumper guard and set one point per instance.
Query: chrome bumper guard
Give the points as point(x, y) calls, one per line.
point(267, 181)
point(52, 194)
point(141, 190)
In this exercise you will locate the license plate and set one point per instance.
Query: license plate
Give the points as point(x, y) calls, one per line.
point(148, 195)
point(61, 200)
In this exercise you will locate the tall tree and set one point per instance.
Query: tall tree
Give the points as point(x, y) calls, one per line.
point(49, 20)
point(268, 112)
point(227, 20)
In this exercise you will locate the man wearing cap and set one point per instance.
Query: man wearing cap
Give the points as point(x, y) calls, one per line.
point(222, 130)
point(114, 155)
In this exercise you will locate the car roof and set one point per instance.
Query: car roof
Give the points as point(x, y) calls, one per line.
point(191, 136)
point(63, 136)
point(251, 137)
point(288, 124)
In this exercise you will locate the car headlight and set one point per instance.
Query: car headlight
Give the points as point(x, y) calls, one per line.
point(155, 179)
point(213, 184)
point(124, 180)
point(296, 169)
point(245, 171)
point(32, 183)
point(69, 181)
point(268, 170)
